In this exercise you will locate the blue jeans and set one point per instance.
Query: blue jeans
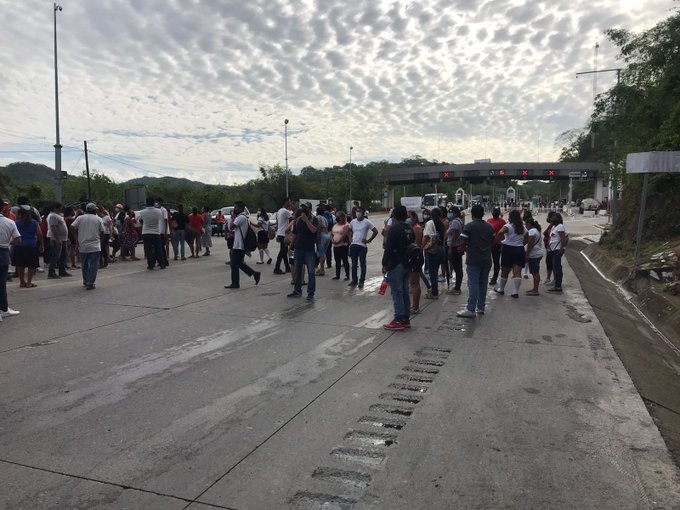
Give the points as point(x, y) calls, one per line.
point(478, 281)
point(179, 237)
point(557, 268)
point(307, 259)
point(398, 280)
point(358, 255)
point(58, 252)
point(89, 263)
point(433, 262)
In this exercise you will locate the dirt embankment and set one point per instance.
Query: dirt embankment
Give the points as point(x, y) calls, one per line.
point(651, 359)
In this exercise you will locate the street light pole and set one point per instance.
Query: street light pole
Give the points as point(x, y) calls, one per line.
point(350, 176)
point(57, 145)
point(285, 144)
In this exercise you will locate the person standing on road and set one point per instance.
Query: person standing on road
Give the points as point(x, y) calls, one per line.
point(359, 228)
point(57, 233)
point(513, 256)
point(477, 239)
point(304, 236)
point(179, 228)
point(26, 255)
point(548, 253)
point(90, 228)
point(497, 223)
point(262, 225)
point(433, 244)
point(283, 217)
point(240, 227)
point(206, 238)
point(196, 224)
point(340, 242)
point(534, 253)
point(557, 244)
point(220, 220)
point(151, 219)
point(455, 256)
point(399, 237)
point(9, 236)
point(416, 274)
point(323, 240)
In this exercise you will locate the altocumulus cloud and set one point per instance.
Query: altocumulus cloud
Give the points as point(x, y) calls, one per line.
point(200, 89)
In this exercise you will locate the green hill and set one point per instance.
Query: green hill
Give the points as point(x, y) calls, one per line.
point(24, 173)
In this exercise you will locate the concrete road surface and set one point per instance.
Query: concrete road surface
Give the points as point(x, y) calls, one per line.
point(162, 389)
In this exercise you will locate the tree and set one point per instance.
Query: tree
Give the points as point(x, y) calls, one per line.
point(641, 113)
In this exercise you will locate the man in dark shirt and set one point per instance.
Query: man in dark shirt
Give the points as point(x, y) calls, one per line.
point(178, 227)
point(477, 239)
point(304, 243)
point(393, 265)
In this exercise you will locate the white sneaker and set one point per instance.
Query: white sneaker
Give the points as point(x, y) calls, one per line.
point(39, 270)
point(548, 282)
point(9, 313)
point(466, 313)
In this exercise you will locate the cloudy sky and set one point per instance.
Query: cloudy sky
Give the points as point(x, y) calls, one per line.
point(201, 88)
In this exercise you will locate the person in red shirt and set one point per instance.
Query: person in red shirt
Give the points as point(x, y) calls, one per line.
point(220, 219)
point(497, 222)
point(7, 211)
point(196, 224)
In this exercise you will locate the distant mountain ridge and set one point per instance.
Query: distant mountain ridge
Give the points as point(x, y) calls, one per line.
point(23, 173)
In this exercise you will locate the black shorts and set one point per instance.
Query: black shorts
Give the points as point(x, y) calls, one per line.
point(534, 265)
point(513, 256)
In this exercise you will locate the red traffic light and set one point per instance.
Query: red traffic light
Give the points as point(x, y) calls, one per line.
point(445, 175)
point(501, 173)
point(551, 173)
point(525, 173)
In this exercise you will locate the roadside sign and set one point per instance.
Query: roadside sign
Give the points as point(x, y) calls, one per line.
point(574, 175)
point(653, 162)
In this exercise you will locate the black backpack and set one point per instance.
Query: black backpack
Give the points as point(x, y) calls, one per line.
point(413, 257)
point(250, 239)
point(413, 254)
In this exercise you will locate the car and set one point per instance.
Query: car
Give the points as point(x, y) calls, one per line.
point(227, 210)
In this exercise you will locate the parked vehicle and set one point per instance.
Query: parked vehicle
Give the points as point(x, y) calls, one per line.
point(227, 212)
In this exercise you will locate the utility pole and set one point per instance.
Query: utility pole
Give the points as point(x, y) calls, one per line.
point(87, 171)
point(57, 145)
point(613, 181)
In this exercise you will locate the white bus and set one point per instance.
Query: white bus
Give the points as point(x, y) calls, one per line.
point(431, 200)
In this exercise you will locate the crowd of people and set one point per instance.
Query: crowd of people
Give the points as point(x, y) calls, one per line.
point(416, 252)
point(505, 247)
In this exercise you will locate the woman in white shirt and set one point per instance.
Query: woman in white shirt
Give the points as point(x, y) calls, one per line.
point(534, 253)
point(556, 245)
point(513, 256)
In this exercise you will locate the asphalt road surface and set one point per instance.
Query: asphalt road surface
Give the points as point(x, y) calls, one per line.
point(162, 389)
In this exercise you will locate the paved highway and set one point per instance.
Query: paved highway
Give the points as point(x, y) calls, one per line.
point(164, 390)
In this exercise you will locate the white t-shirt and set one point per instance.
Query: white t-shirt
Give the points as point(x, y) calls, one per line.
point(8, 231)
point(240, 231)
point(360, 230)
point(163, 225)
point(56, 227)
point(512, 238)
point(537, 248)
point(555, 242)
point(89, 226)
point(282, 218)
point(430, 230)
point(151, 220)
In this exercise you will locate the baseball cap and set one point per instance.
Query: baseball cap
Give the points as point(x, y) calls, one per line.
point(91, 207)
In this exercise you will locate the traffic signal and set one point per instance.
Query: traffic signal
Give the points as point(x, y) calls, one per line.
point(447, 175)
point(550, 173)
point(497, 173)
